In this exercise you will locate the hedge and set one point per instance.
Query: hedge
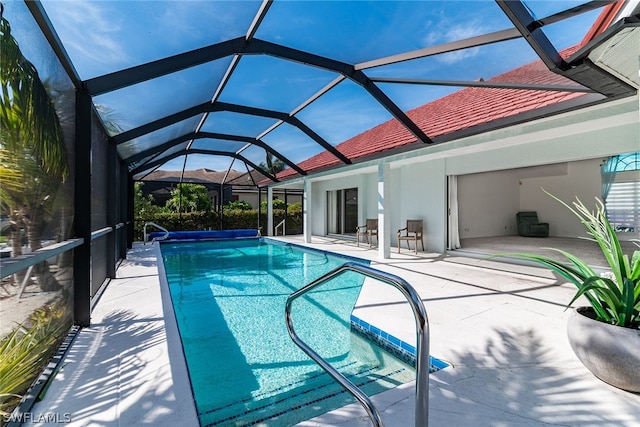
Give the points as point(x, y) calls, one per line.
point(233, 219)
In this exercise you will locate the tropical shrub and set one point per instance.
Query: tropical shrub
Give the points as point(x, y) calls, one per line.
point(294, 209)
point(234, 219)
point(144, 206)
point(27, 349)
point(238, 205)
point(277, 204)
point(187, 197)
point(187, 221)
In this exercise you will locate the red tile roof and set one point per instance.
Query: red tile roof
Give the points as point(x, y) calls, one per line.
point(461, 110)
point(603, 21)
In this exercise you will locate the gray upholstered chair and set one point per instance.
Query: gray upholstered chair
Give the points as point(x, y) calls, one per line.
point(529, 226)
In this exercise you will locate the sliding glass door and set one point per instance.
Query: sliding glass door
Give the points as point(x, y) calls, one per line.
point(342, 211)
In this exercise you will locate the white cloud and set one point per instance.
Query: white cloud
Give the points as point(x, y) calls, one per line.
point(442, 32)
point(101, 44)
point(341, 119)
point(458, 56)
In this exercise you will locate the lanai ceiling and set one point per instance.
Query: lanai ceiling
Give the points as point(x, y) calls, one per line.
point(196, 82)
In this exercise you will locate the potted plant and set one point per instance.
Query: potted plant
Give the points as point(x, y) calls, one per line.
point(605, 335)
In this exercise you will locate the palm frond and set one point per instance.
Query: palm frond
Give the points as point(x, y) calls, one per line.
point(27, 112)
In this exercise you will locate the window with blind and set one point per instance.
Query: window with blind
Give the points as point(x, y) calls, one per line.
point(623, 205)
point(623, 202)
point(621, 186)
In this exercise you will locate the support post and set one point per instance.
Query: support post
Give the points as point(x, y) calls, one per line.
point(112, 208)
point(286, 203)
point(82, 211)
point(124, 206)
point(269, 211)
point(130, 211)
point(259, 203)
point(306, 211)
point(384, 218)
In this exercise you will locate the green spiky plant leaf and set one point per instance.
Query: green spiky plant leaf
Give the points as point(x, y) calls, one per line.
point(27, 349)
point(614, 296)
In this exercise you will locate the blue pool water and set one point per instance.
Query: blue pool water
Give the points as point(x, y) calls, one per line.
point(229, 299)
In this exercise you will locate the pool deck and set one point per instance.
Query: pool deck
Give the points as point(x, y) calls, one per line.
point(501, 326)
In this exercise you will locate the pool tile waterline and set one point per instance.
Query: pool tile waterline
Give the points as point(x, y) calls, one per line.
point(400, 349)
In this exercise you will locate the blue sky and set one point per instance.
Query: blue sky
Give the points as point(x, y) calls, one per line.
point(106, 36)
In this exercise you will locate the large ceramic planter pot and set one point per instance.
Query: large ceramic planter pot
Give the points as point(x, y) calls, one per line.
point(611, 353)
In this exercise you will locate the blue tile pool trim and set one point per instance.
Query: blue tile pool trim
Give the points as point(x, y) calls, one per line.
point(402, 350)
point(310, 249)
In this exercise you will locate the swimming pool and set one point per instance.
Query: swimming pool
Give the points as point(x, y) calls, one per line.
point(229, 298)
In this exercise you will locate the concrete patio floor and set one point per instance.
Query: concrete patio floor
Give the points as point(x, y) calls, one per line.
point(501, 326)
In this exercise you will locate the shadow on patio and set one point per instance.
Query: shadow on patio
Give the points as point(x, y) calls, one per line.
point(517, 382)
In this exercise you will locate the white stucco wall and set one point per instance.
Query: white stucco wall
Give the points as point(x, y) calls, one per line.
point(368, 195)
point(319, 198)
point(582, 180)
point(422, 191)
point(487, 204)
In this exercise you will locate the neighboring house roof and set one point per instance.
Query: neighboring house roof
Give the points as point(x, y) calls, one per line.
point(198, 176)
point(247, 179)
point(458, 111)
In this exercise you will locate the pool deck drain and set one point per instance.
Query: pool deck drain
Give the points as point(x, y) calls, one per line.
point(501, 327)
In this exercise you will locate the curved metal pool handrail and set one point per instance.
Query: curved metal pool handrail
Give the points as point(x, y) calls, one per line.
point(422, 348)
point(144, 231)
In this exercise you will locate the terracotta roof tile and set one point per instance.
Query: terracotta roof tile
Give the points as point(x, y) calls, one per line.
point(460, 110)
